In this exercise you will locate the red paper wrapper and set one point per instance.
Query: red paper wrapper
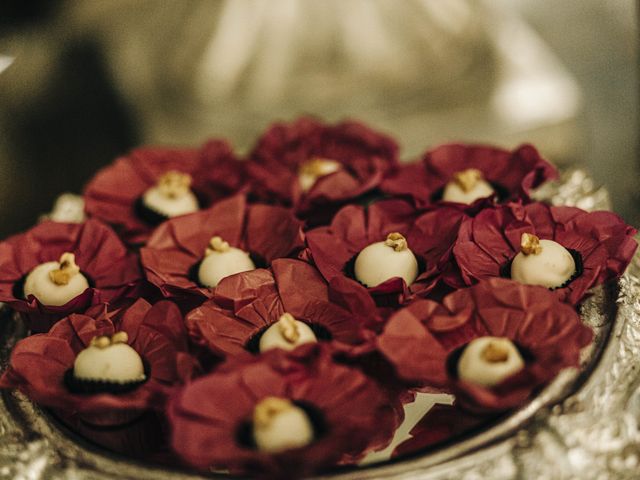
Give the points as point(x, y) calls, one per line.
point(512, 173)
point(112, 271)
point(430, 237)
point(177, 246)
point(245, 305)
point(487, 243)
point(366, 156)
point(422, 340)
point(38, 363)
point(113, 192)
point(207, 427)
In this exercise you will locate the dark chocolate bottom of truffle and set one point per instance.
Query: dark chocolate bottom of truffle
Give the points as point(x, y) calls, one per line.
point(92, 387)
point(320, 331)
point(244, 432)
point(505, 270)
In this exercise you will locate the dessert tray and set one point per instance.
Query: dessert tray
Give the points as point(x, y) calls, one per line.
point(582, 424)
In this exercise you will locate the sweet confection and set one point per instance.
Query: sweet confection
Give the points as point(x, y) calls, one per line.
point(287, 333)
point(56, 283)
point(55, 269)
point(600, 243)
point(484, 170)
point(109, 359)
point(274, 317)
point(467, 186)
point(488, 361)
point(492, 344)
point(187, 256)
point(316, 168)
point(171, 196)
point(542, 262)
point(381, 261)
point(161, 183)
point(321, 401)
point(220, 261)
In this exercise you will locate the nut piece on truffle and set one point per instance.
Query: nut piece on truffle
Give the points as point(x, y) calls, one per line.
point(279, 425)
point(109, 359)
point(56, 283)
point(381, 261)
point(222, 260)
point(172, 195)
point(542, 262)
point(487, 361)
point(287, 333)
point(467, 186)
point(311, 170)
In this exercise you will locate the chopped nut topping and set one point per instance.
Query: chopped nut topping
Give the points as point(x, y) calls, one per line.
point(530, 244)
point(267, 409)
point(174, 184)
point(495, 353)
point(105, 341)
point(217, 244)
point(467, 179)
point(288, 328)
point(396, 241)
point(318, 167)
point(68, 268)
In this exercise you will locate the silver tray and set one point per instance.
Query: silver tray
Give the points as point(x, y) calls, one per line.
point(583, 425)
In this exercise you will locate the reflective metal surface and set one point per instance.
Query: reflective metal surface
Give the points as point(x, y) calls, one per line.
point(583, 425)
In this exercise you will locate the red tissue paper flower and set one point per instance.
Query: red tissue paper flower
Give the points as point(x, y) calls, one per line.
point(487, 243)
point(212, 417)
point(114, 193)
point(513, 174)
point(39, 363)
point(360, 157)
point(113, 272)
point(424, 340)
point(245, 305)
point(430, 236)
point(173, 252)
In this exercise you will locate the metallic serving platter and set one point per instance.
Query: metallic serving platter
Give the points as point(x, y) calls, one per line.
point(583, 425)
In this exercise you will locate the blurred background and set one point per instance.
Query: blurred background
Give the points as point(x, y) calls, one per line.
point(84, 81)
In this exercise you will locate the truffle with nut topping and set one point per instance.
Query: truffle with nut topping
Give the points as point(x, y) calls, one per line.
point(467, 186)
point(287, 333)
point(56, 283)
point(542, 262)
point(172, 195)
point(381, 261)
point(279, 425)
point(312, 170)
point(222, 260)
point(487, 361)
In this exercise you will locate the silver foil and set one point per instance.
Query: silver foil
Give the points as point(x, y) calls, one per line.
point(583, 425)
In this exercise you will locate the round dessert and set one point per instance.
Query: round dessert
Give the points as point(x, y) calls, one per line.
point(109, 359)
point(382, 261)
point(310, 171)
point(487, 361)
point(172, 195)
point(467, 186)
point(56, 283)
point(279, 425)
point(542, 262)
point(287, 333)
point(222, 260)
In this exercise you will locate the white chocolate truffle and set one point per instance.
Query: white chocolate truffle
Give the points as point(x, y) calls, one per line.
point(287, 333)
point(56, 283)
point(109, 360)
point(171, 196)
point(466, 187)
point(487, 361)
point(279, 425)
point(222, 260)
point(381, 261)
point(312, 170)
point(547, 263)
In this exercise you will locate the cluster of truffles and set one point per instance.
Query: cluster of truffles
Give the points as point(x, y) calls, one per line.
point(278, 321)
